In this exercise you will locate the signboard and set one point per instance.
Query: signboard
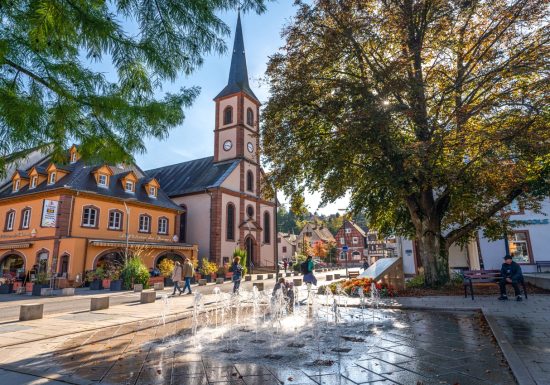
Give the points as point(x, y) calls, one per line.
point(345, 248)
point(49, 213)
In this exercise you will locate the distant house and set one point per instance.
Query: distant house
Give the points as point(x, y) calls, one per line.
point(287, 244)
point(312, 233)
point(355, 238)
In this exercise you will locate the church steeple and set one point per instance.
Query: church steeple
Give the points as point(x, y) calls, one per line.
point(238, 74)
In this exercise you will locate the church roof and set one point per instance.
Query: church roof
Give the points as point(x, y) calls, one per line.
point(192, 176)
point(238, 74)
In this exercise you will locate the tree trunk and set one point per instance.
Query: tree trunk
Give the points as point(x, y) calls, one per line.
point(433, 253)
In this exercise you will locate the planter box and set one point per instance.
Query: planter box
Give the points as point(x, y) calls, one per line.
point(197, 277)
point(168, 282)
point(17, 285)
point(154, 280)
point(96, 284)
point(116, 285)
point(228, 275)
point(37, 289)
point(6, 288)
point(28, 287)
point(208, 278)
point(106, 283)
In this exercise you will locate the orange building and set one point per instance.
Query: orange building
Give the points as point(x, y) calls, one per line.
point(64, 219)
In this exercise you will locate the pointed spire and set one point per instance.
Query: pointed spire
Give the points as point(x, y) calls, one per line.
point(238, 73)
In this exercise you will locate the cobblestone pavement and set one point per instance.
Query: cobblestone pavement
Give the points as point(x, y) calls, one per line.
point(394, 347)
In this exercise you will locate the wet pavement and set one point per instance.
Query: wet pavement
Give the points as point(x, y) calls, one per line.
point(381, 348)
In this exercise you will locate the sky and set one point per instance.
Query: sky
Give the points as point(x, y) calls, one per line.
point(195, 137)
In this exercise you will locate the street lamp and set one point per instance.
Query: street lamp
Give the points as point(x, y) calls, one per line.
point(346, 241)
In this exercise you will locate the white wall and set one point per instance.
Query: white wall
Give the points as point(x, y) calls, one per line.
point(198, 221)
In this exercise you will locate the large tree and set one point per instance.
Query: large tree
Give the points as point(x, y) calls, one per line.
point(53, 91)
point(432, 113)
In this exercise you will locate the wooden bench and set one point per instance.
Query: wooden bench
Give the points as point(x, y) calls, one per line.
point(353, 274)
point(541, 264)
point(483, 278)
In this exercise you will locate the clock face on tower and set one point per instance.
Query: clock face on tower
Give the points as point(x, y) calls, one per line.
point(250, 147)
point(227, 145)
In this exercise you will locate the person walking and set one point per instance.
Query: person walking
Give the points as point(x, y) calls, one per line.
point(285, 264)
point(237, 271)
point(176, 277)
point(187, 274)
point(510, 273)
point(307, 270)
point(365, 264)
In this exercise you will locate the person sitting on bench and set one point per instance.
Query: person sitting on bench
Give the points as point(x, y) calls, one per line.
point(510, 273)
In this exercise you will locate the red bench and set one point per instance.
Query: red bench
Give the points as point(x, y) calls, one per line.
point(483, 277)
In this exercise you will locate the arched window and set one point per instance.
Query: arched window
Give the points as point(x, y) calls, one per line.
point(64, 266)
point(163, 225)
point(250, 211)
point(90, 216)
point(249, 117)
point(25, 218)
point(250, 180)
point(267, 228)
point(228, 115)
point(144, 223)
point(230, 225)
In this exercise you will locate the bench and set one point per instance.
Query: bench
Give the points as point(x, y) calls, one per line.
point(541, 264)
point(483, 278)
point(353, 274)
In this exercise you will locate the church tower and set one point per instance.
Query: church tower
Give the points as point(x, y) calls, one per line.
point(237, 110)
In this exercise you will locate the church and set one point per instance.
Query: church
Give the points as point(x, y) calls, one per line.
point(222, 196)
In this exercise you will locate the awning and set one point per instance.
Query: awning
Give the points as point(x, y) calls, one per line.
point(21, 245)
point(134, 244)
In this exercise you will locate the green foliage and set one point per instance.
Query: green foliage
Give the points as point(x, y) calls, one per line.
point(42, 278)
point(53, 93)
point(427, 115)
point(98, 273)
point(416, 282)
point(241, 253)
point(135, 272)
point(299, 259)
point(166, 267)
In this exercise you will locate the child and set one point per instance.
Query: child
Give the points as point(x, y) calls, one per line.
point(237, 271)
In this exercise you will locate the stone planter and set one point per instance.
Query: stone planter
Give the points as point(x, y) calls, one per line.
point(37, 289)
point(115, 285)
point(153, 280)
point(202, 282)
point(248, 278)
point(6, 288)
point(96, 284)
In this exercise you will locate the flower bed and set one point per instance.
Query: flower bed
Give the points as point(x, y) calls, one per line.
point(352, 287)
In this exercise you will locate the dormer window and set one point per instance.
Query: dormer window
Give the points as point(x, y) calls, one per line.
point(129, 186)
point(34, 180)
point(16, 185)
point(51, 178)
point(102, 180)
point(73, 157)
point(152, 192)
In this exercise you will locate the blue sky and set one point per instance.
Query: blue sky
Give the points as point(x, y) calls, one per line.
point(195, 138)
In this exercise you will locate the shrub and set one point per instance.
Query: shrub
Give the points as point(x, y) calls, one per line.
point(415, 282)
point(98, 273)
point(241, 253)
point(208, 267)
point(166, 267)
point(354, 285)
point(133, 272)
point(299, 259)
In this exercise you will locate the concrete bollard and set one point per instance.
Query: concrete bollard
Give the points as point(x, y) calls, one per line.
point(270, 276)
point(297, 281)
point(259, 285)
point(202, 282)
point(219, 281)
point(31, 311)
point(336, 276)
point(148, 297)
point(248, 278)
point(159, 286)
point(68, 291)
point(46, 291)
point(259, 277)
point(296, 273)
point(138, 287)
point(99, 303)
point(288, 274)
point(329, 277)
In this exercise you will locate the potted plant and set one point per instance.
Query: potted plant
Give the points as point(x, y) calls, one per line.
point(241, 253)
point(40, 283)
point(134, 272)
point(208, 269)
point(166, 267)
point(115, 283)
point(95, 277)
point(6, 284)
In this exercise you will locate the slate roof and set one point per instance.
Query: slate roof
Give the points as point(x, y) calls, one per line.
point(238, 73)
point(80, 178)
point(192, 176)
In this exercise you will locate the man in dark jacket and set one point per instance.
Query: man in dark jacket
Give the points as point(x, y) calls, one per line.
point(510, 273)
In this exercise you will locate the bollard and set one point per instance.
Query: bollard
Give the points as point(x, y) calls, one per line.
point(31, 311)
point(219, 281)
point(46, 291)
point(329, 277)
point(297, 281)
point(202, 282)
point(138, 287)
point(68, 291)
point(259, 285)
point(289, 274)
point(148, 297)
point(336, 276)
point(248, 278)
point(270, 276)
point(99, 303)
point(259, 277)
point(159, 286)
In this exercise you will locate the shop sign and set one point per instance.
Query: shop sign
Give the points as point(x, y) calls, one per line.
point(49, 213)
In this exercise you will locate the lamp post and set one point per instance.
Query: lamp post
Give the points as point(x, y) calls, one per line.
point(346, 241)
point(127, 232)
point(276, 239)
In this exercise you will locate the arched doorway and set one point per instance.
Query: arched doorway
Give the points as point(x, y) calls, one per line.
point(109, 259)
point(13, 264)
point(64, 266)
point(170, 255)
point(250, 254)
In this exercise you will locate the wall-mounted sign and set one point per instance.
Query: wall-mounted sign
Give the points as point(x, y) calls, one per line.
point(531, 222)
point(49, 213)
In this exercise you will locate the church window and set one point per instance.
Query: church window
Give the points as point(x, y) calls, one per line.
point(228, 115)
point(250, 211)
point(250, 181)
point(267, 228)
point(250, 117)
point(230, 226)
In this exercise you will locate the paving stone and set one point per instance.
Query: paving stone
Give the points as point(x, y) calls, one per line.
point(332, 379)
point(262, 379)
point(377, 366)
point(360, 375)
